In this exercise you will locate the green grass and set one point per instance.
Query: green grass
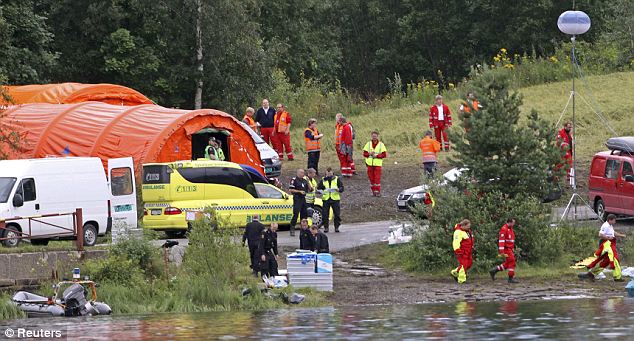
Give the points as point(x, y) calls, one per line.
point(402, 128)
point(8, 311)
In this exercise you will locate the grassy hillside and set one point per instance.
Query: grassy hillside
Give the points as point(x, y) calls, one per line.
point(402, 128)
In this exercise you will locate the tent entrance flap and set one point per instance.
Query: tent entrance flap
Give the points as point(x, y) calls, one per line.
point(200, 140)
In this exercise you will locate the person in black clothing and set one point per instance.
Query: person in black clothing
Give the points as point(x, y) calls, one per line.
point(267, 251)
point(331, 187)
point(321, 240)
point(265, 117)
point(298, 187)
point(251, 236)
point(306, 239)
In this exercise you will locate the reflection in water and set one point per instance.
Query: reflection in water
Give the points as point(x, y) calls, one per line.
point(583, 319)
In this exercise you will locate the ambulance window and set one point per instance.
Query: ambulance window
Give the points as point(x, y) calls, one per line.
point(627, 169)
point(268, 192)
point(612, 169)
point(27, 190)
point(221, 176)
point(156, 174)
point(121, 181)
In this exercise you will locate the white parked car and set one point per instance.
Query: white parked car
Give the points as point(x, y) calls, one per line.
point(37, 187)
point(272, 163)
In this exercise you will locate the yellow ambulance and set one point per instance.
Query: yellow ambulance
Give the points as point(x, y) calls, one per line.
point(174, 191)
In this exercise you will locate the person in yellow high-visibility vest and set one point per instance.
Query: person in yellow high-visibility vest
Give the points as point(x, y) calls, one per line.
point(332, 187)
point(463, 248)
point(374, 152)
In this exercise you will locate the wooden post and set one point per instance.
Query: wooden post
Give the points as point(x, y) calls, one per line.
point(79, 227)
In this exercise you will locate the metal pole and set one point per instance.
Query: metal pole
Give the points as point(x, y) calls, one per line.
point(574, 135)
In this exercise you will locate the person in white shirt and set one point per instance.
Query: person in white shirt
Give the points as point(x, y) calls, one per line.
point(607, 256)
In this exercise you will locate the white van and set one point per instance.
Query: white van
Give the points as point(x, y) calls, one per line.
point(38, 187)
point(272, 162)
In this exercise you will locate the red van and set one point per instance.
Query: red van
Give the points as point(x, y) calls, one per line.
point(611, 180)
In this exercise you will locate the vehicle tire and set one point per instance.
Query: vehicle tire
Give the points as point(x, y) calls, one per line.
point(90, 235)
point(317, 216)
point(175, 234)
point(11, 232)
point(42, 242)
point(599, 208)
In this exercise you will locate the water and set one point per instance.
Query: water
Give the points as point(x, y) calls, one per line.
point(571, 319)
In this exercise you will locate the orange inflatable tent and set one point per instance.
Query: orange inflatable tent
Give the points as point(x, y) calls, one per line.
point(67, 93)
point(148, 133)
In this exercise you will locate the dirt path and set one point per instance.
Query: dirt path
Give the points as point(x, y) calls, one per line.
point(360, 280)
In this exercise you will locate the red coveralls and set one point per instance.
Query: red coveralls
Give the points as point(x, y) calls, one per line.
point(374, 172)
point(463, 248)
point(606, 259)
point(506, 244)
point(440, 126)
point(281, 140)
point(345, 159)
point(564, 141)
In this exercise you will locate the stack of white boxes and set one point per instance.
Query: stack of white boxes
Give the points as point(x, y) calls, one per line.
point(310, 270)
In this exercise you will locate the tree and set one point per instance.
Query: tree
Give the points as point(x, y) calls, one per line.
point(500, 152)
point(25, 43)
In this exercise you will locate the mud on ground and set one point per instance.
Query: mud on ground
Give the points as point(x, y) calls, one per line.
point(359, 279)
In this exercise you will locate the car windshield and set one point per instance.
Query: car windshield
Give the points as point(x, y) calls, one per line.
point(268, 192)
point(256, 138)
point(6, 185)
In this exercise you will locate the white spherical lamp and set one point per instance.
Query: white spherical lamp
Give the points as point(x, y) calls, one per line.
point(573, 22)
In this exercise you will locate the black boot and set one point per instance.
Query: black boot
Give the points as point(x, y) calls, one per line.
point(292, 231)
point(586, 275)
point(336, 229)
point(512, 280)
point(325, 229)
point(492, 272)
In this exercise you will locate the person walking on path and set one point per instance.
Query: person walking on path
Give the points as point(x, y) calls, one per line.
point(267, 250)
point(265, 117)
point(607, 256)
point(251, 237)
point(312, 137)
point(332, 187)
point(429, 147)
point(346, 148)
point(440, 121)
point(321, 240)
point(374, 152)
point(249, 120)
point(506, 245)
point(463, 249)
point(306, 239)
point(282, 133)
point(299, 187)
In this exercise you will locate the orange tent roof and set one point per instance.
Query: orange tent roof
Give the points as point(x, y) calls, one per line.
point(148, 133)
point(66, 93)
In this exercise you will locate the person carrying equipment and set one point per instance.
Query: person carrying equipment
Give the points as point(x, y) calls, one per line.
point(463, 248)
point(607, 256)
point(506, 245)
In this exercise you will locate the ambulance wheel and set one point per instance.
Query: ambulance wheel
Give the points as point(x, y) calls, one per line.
point(317, 216)
point(11, 232)
point(90, 235)
point(599, 208)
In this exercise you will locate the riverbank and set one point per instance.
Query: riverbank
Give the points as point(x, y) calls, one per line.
point(367, 276)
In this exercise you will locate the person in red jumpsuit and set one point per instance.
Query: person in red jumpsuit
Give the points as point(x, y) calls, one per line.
point(564, 141)
point(440, 121)
point(346, 148)
point(463, 248)
point(506, 244)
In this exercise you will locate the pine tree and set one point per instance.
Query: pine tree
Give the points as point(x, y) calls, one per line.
point(501, 152)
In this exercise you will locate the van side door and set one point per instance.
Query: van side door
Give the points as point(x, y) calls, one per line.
point(30, 207)
point(626, 188)
point(611, 176)
point(123, 207)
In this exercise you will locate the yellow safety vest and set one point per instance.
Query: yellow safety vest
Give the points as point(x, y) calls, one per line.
point(310, 196)
point(380, 148)
point(329, 194)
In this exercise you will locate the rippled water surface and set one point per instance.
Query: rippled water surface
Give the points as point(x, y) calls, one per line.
point(571, 319)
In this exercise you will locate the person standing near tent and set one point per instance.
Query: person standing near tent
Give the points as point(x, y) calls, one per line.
point(429, 147)
point(374, 152)
point(607, 256)
point(312, 137)
point(346, 148)
point(265, 117)
point(281, 135)
point(249, 120)
point(565, 141)
point(506, 245)
point(440, 121)
point(211, 151)
point(463, 249)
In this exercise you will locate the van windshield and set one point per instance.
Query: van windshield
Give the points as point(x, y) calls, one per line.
point(6, 185)
point(256, 138)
